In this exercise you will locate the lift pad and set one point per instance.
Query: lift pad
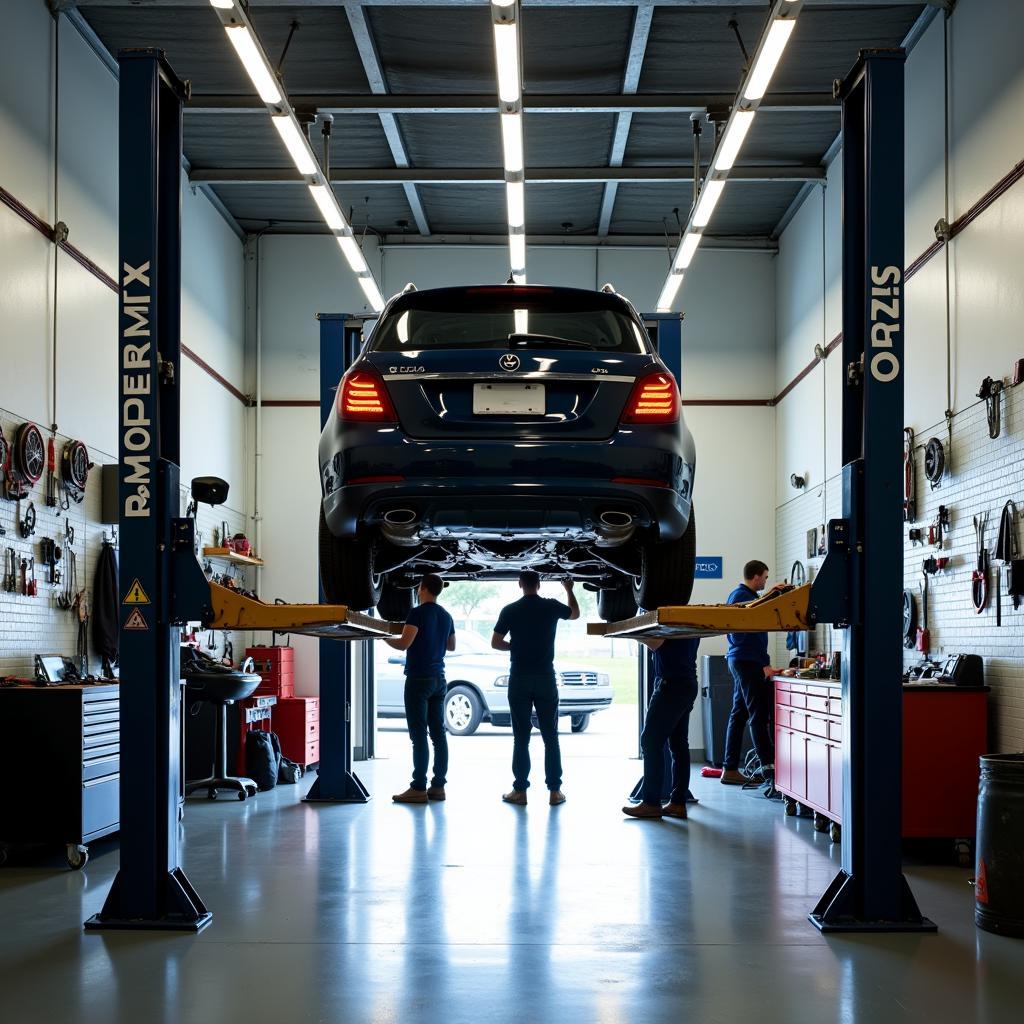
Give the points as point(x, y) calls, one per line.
point(232, 610)
point(779, 612)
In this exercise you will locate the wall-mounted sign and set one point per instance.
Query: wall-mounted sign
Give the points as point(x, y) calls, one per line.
point(708, 567)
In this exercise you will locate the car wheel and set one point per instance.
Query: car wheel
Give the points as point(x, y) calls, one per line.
point(346, 569)
point(462, 711)
point(615, 605)
point(667, 570)
point(395, 602)
point(580, 722)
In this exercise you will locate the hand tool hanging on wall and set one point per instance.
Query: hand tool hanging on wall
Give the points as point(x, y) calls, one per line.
point(922, 641)
point(50, 554)
point(11, 572)
point(1008, 552)
point(27, 524)
point(979, 578)
point(934, 462)
point(909, 477)
point(937, 530)
point(80, 608)
point(5, 457)
point(990, 393)
point(74, 472)
point(909, 620)
point(51, 474)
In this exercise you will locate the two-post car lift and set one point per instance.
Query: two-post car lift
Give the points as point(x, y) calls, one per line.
point(858, 588)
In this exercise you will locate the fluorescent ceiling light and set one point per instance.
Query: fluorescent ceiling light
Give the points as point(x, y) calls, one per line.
point(669, 292)
point(222, 5)
point(328, 206)
point(515, 196)
point(706, 203)
point(506, 54)
point(512, 141)
point(251, 58)
point(733, 139)
point(352, 252)
point(517, 251)
point(372, 293)
point(768, 59)
point(685, 254)
point(503, 3)
point(297, 145)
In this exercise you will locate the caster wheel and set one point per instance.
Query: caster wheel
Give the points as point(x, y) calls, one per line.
point(835, 832)
point(821, 823)
point(211, 794)
point(77, 856)
point(802, 811)
point(789, 806)
point(242, 794)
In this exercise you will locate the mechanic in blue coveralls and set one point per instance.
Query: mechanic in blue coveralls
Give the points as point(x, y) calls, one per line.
point(668, 719)
point(531, 622)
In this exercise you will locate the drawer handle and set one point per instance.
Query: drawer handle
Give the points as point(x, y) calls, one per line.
point(101, 780)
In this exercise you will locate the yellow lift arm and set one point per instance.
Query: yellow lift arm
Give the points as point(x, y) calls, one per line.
point(232, 610)
point(778, 612)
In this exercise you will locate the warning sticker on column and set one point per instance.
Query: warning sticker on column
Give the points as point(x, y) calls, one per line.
point(136, 595)
point(135, 620)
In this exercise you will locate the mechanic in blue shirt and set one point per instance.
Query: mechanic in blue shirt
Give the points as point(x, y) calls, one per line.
point(668, 718)
point(752, 692)
point(532, 622)
point(428, 634)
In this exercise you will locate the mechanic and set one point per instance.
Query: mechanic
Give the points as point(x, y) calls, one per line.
point(752, 692)
point(668, 718)
point(532, 622)
point(428, 634)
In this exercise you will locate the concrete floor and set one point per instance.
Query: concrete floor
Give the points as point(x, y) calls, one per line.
point(474, 911)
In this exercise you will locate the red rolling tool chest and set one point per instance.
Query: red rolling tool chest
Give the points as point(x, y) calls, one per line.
point(276, 666)
point(296, 721)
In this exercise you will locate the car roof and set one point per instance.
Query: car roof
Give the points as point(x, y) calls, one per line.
point(441, 298)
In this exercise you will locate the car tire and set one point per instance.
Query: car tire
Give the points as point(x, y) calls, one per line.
point(346, 570)
point(462, 711)
point(666, 570)
point(580, 722)
point(615, 605)
point(395, 602)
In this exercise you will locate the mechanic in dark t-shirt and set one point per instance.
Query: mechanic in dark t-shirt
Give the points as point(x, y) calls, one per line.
point(531, 623)
point(428, 635)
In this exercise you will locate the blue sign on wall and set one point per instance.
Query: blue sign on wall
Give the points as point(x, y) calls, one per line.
point(708, 567)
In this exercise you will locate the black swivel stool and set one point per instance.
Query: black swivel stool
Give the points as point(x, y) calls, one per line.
point(221, 689)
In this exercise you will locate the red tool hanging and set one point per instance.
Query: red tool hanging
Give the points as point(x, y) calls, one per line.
point(51, 474)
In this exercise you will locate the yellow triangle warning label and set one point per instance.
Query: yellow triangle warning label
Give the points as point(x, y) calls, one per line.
point(135, 620)
point(136, 595)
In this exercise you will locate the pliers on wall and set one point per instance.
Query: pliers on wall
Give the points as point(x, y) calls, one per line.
point(979, 578)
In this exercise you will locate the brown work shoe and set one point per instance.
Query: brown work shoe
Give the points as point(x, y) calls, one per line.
point(731, 777)
point(517, 797)
point(435, 793)
point(643, 810)
point(411, 796)
point(671, 810)
point(556, 797)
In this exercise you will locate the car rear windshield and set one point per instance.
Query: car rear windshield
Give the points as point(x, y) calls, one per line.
point(486, 317)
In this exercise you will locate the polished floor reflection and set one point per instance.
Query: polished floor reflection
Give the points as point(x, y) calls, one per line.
point(475, 911)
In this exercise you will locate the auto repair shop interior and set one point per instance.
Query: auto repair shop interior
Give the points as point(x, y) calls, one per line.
point(301, 300)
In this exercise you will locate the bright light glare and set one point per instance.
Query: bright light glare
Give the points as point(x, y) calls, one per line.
point(668, 293)
point(734, 136)
point(709, 196)
point(522, 321)
point(253, 62)
point(506, 55)
point(515, 195)
point(769, 57)
point(517, 251)
point(512, 141)
point(372, 293)
point(503, 3)
point(518, 277)
point(222, 5)
point(328, 207)
point(351, 251)
point(297, 145)
point(403, 328)
point(686, 251)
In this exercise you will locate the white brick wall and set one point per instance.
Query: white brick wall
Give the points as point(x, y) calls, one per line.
point(30, 626)
point(982, 474)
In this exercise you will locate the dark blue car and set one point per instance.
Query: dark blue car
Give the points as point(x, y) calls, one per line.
point(487, 429)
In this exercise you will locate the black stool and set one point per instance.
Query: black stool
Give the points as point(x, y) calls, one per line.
point(222, 689)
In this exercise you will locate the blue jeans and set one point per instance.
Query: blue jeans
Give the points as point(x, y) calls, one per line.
point(752, 698)
point(526, 692)
point(668, 718)
point(424, 713)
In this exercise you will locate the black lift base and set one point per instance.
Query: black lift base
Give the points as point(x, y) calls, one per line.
point(839, 910)
point(184, 911)
point(351, 791)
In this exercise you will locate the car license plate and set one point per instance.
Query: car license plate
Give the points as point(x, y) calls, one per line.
point(508, 399)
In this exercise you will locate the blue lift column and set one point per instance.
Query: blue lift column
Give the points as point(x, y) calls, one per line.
point(340, 341)
point(150, 890)
point(864, 566)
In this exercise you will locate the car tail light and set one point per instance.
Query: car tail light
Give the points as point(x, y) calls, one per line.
point(654, 399)
point(362, 396)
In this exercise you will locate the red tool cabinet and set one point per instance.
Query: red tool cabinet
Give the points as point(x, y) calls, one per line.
point(297, 724)
point(276, 666)
point(944, 734)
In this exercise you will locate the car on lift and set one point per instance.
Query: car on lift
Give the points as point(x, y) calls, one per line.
point(478, 688)
point(487, 429)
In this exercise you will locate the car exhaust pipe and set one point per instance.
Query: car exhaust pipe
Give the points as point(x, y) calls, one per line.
point(401, 527)
point(614, 528)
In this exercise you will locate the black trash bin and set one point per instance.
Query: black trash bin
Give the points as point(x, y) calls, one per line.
point(999, 870)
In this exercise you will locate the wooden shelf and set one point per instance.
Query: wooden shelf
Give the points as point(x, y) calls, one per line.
point(231, 556)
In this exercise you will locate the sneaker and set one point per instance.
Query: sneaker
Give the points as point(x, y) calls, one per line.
point(731, 777)
point(671, 810)
point(557, 797)
point(517, 797)
point(435, 793)
point(411, 796)
point(643, 810)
